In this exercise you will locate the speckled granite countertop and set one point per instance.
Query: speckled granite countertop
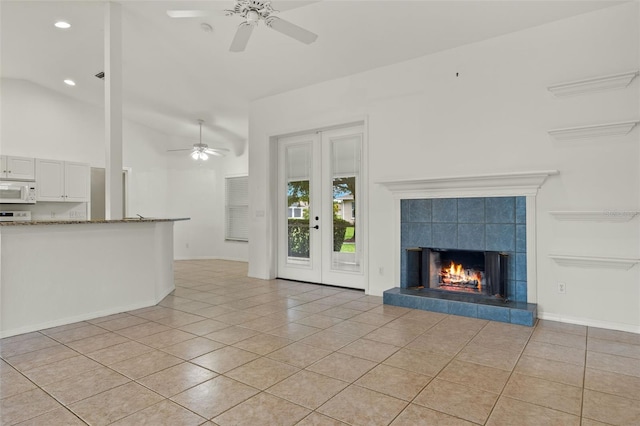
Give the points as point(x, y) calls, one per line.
point(80, 222)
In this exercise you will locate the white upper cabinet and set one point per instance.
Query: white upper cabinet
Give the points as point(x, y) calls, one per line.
point(63, 181)
point(77, 182)
point(17, 168)
point(50, 183)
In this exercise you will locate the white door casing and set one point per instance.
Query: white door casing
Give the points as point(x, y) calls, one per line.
point(328, 166)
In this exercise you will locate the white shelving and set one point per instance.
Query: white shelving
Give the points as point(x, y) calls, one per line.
point(594, 131)
point(594, 261)
point(596, 84)
point(596, 216)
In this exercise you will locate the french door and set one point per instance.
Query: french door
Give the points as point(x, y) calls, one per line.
point(321, 237)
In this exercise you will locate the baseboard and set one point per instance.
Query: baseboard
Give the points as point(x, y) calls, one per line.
point(589, 322)
point(77, 318)
point(232, 259)
point(166, 293)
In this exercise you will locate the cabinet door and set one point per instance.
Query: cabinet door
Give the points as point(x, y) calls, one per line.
point(77, 182)
point(3, 166)
point(50, 183)
point(21, 168)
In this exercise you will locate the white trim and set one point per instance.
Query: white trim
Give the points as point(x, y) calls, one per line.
point(596, 216)
point(532, 250)
point(588, 322)
point(594, 131)
point(85, 317)
point(271, 209)
point(235, 175)
point(596, 84)
point(233, 259)
point(493, 185)
point(594, 261)
point(126, 197)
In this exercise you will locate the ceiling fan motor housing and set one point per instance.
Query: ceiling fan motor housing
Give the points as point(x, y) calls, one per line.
point(252, 10)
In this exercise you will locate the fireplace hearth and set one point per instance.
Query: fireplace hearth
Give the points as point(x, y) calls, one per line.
point(474, 272)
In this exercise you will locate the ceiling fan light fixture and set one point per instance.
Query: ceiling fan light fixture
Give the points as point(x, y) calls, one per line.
point(200, 150)
point(253, 17)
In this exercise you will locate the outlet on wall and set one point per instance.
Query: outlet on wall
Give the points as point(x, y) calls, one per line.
point(562, 288)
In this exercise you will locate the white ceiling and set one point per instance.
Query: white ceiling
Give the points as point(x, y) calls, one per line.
point(174, 72)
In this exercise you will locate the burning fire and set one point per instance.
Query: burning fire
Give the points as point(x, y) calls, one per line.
point(455, 275)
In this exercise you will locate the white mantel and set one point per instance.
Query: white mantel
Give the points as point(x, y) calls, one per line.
point(484, 185)
point(514, 184)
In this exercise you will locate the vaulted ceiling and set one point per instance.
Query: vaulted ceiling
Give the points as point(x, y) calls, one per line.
point(175, 72)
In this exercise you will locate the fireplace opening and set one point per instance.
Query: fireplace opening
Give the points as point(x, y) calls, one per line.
point(460, 271)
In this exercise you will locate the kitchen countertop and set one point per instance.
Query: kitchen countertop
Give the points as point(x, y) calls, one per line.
point(80, 222)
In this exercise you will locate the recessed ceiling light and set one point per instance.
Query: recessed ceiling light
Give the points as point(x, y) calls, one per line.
point(69, 82)
point(62, 25)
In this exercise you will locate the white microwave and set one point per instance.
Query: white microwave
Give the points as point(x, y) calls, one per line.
point(14, 192)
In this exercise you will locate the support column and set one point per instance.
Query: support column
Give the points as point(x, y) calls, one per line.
point(113, 110)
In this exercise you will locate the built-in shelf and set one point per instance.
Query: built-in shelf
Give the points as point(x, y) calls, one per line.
point(607, 82)
point(495, 185)
point(594, 262)
point(596, 216)
point(598, 130)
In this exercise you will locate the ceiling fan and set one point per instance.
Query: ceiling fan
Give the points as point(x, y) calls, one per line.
point(253, 11)
point(201, 151)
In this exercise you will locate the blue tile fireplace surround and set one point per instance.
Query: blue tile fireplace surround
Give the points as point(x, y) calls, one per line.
point(479, 224)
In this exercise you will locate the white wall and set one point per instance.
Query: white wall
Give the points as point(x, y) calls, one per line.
point(38, 122)
point(492, 117)
point(197, 190)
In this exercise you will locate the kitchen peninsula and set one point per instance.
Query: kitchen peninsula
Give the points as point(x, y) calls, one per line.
point(59, 272)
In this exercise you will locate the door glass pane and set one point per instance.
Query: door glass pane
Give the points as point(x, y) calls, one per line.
point(298, 175)
point(298, 220)
point(345, 180)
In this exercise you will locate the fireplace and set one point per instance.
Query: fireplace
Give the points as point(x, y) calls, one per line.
point(482, 213)
point(482, 273)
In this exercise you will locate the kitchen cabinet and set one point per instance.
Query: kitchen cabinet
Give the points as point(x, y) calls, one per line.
point(63, 181)
point(17, 168)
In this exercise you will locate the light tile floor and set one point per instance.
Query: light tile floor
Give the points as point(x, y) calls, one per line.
point(226, 349)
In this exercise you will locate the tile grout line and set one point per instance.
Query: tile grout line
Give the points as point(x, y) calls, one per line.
point(512, 371)
point(439, 371)
point(280, 292)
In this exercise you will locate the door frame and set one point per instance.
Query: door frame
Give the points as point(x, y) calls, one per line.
point(272, 196)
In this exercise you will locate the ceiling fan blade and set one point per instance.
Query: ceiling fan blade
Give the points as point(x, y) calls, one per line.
point(185, 149)
point(188, 13)
point(292, 30)
point(220, 152)
point(241, 38)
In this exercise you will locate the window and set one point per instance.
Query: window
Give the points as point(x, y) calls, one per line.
point(237, 208)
